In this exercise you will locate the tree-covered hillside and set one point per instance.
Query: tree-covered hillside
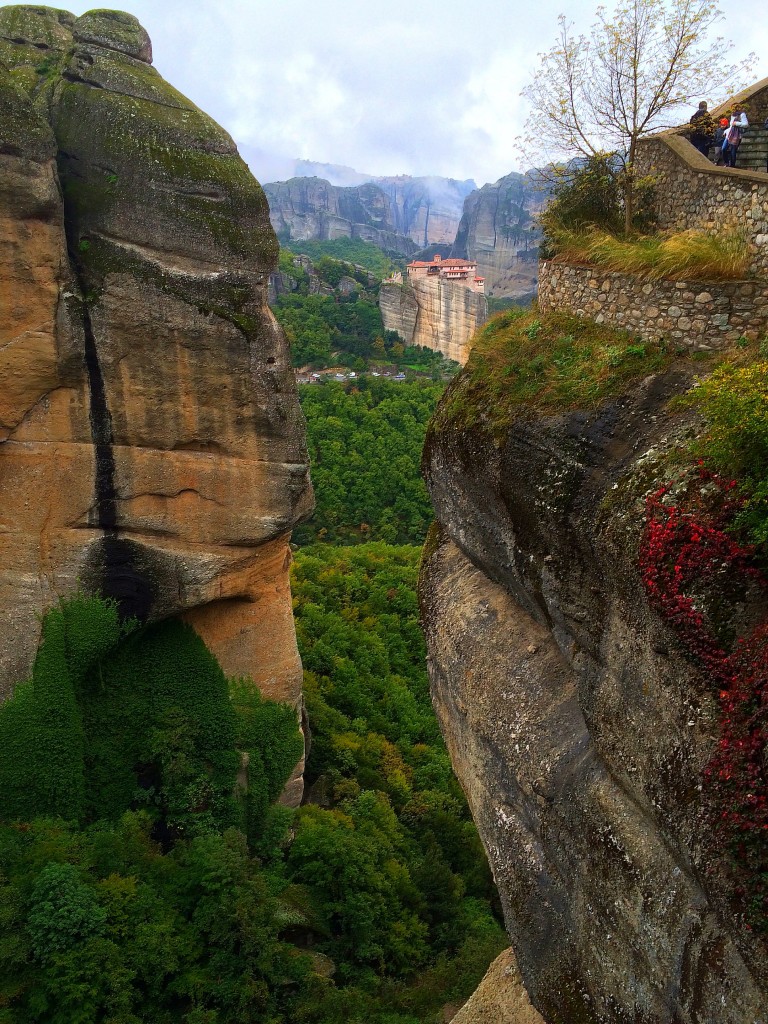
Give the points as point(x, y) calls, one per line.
point(365, 442)
point(329, 310)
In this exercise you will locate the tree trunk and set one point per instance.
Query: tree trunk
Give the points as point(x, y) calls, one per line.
point(629, 188)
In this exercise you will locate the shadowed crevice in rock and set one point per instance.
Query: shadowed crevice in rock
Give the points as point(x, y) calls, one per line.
point(105, 505)
point(119, 577)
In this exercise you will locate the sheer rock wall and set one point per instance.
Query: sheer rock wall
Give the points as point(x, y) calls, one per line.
point(151, 442)
point(438, 314)
point(577, 726)
point(498, 229)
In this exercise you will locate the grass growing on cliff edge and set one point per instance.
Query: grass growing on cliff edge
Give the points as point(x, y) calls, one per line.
point(523, 359)
point(694, 255)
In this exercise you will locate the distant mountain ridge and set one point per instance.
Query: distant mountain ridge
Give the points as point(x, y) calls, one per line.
point(401, 214)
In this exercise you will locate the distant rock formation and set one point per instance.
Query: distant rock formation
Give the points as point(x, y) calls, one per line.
point(151, 442)
point(399, 214)
point(305, 209)
point(498, 229)
point(435, 313)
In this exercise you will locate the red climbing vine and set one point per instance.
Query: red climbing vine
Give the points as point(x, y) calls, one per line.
point(687, 559)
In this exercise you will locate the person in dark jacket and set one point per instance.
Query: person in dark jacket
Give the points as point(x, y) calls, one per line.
point(702, 129)
point(720, 131)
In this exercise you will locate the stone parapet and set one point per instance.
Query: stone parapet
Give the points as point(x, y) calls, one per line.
point(692, 193)
point(700, 314)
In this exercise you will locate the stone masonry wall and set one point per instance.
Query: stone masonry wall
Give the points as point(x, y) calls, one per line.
point(703, 315)
point(691, 192)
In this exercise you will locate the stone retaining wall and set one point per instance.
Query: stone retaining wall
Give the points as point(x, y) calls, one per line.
point(691, 192)
point(703, 315)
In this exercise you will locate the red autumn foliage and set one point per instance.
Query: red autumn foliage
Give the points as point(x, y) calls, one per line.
point(684, 553)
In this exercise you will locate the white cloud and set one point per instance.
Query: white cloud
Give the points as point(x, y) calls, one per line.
point(396, 88)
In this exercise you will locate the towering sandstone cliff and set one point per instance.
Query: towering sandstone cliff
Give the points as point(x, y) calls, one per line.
point(151, 442)
point(577, 725)
point(435, 313)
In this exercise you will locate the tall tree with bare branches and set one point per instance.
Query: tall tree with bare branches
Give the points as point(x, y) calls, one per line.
point(601, 93)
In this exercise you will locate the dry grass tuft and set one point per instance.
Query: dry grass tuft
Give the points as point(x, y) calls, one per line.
point(690, 255)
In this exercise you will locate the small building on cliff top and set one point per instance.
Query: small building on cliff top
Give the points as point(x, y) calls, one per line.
point(439, 306)
point(452, 269)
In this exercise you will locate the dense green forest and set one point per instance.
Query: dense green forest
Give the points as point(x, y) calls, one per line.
point(343, 328)
point(165, 892)
point(365, 442)
point(350, 250)
point(325, 330)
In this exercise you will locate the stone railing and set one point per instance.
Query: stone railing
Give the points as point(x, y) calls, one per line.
point(702, 315)
point(691, 192)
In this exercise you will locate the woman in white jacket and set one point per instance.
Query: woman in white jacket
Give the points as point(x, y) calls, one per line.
point(736, 129)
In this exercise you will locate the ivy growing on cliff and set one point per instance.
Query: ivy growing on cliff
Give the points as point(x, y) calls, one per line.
point(695, 573)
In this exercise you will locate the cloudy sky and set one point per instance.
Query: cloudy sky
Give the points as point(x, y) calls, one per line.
point(387, 88)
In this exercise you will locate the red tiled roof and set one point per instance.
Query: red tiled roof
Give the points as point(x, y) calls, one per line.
point(444, 263)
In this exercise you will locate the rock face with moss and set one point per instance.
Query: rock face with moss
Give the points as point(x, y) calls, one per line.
point(152, 443)
point(579, 727)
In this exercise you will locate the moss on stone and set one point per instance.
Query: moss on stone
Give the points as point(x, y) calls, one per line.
point(179, 166)
point(42, 27)
point(122, 74)
point(524, 362)
point(433, 540)
point(114, 30)
point(23, 131)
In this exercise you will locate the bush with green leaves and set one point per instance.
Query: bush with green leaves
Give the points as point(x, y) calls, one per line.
point(734, 403)
point(588, 193)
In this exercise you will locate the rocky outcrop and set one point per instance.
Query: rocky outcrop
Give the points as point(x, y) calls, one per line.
point(310, 208)
point(500, 998)
point(427, 209)
point(152, 442)
point(434, 313)
point(498, 229)
point(576, 724)
point(399, 309)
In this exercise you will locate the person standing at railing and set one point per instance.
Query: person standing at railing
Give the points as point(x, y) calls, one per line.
point(720, 131)
point(702, 129)
point(733, 136)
